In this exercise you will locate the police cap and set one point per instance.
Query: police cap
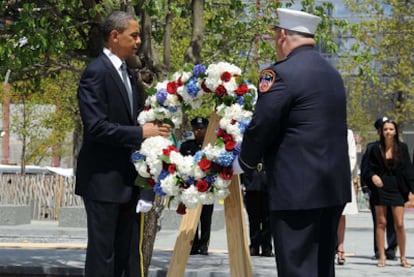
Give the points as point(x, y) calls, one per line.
point(199, 122)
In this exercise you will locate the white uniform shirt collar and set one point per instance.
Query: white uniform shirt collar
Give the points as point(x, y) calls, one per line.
point(115, 60)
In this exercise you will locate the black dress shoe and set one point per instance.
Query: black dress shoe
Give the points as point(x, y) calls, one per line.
point(267, 253)
point(203, 250)
point(254, 251)
point(391, 257)
point(194, 251)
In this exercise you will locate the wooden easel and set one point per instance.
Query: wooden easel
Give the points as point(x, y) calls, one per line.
point(239, 256)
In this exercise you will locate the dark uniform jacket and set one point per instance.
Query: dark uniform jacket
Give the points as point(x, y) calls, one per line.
point(110, 134)
point(299, 132)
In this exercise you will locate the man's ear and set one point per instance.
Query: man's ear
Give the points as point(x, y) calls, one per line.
point(113, 35)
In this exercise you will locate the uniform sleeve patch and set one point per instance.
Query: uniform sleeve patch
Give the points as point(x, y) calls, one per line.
point(266, 80)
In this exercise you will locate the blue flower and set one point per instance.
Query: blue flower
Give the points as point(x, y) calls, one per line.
point(192, 87)
point(161, 95)
point(243, 124)
point(225, 159)
point(191, 180)
point(172, 109)
point(240, 100)
point(210, 178)
point(199, 70)
point(198, 156)
point(158, 189)
point(163, 174)
point(136, 156)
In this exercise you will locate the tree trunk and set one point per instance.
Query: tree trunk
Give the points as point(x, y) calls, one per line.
point(192, 55)
point(167, 37)
point(150, 231)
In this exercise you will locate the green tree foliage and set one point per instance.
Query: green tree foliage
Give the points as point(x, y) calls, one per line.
point(378, 62)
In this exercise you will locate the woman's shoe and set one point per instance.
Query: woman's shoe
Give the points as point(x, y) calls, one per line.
point(381, 262)
point(404, 263)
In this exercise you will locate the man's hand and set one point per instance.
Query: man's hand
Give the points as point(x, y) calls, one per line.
point(152, 130)
point(143, 206)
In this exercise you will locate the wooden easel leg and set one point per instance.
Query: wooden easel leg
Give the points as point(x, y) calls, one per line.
point(239, 254)
point(184, 242)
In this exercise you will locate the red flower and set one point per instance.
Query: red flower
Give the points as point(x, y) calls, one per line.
point(202, 185)
point(172, 87)
point(241, 90)
point(204, 87)
point(181, 209)
point(220, 91)
point(179, 82)
point(167, 151)
point(172, 168)
point(204, 165)
point(226, 76)
point(151, 182)
point(220, 133)
point(230, 145)
point(227, 137)
point(226, 173)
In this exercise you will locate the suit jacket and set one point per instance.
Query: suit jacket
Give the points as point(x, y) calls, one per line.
point(110, 134)
point(299, 132)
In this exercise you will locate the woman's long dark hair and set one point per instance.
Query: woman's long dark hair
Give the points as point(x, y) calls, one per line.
point(396, 145)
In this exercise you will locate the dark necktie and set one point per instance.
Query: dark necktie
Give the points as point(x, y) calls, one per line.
point(126, 83)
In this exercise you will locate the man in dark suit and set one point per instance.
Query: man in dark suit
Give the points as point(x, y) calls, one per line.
point(190, 147)
point(367, 186)
point(298, 133)
point(109, 105)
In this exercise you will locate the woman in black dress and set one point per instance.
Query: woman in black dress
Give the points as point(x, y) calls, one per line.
point(391, 172)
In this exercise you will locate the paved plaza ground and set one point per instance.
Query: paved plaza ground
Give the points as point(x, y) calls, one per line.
point(45, 249)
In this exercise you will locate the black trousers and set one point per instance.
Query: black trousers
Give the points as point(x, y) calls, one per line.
point(110, 227)
point(202, 235)
point(259, 224)
point(305, 241)
point(390, 232)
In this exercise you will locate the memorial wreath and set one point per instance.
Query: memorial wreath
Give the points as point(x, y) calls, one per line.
point(203, 178)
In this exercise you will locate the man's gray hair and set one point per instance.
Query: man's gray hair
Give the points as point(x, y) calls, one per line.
point(117, 20)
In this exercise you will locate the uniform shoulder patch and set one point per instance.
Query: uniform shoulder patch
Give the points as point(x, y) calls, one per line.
point(266, 80)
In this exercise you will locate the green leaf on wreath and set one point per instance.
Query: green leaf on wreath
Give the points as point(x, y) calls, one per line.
point(165, 159)
point(142, 182)
point(151, 91)
point(228, 100)
point(219, 142)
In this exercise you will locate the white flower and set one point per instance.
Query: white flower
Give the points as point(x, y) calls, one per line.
point(222, 193)
point(141, 168)
point(184, 164)
point(190, 197)
point(169, 185)
point(220, 183)
point(206, 198)
point(212, 152)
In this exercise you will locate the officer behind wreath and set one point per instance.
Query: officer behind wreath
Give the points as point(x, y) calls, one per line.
point(190, 147)
point(298, 134)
